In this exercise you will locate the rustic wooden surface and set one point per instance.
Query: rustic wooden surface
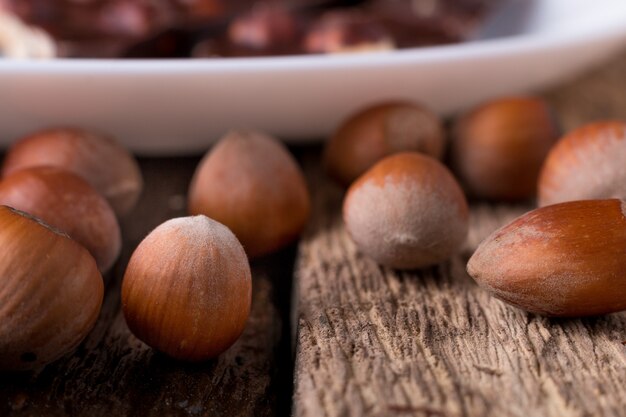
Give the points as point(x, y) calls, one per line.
point(369, 341)
point(114, 374)
point(374, 342)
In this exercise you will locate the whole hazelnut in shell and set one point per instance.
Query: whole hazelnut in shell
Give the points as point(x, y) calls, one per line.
point(499, 147)
point(66, 202)
point(564, 260)
point(250, 182)
point(50, 292)
point(96, 158)
point(588, 163)
point(407, 212)
point(187, 289)
point(378, 131)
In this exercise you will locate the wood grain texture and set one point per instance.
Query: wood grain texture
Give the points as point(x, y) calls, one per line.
point(114, 374)
point(376, 342)
point(595, 96)
point(370, 341)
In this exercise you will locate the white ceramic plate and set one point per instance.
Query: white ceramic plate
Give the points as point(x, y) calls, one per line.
point(181, 106)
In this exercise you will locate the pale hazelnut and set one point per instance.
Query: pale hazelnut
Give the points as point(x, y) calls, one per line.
point(407, 212)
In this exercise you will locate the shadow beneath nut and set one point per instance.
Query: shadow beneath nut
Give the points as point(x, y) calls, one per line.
point(279, 269)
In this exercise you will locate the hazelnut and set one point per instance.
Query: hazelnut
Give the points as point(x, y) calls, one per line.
point(347, 31)
point(428, 22)
point(407, 212)
point(66, 202)
point(250, 182)
point(500, 146)
point(50, 292)
point(379, 131)
point(588, 163)
point(98, 159)
point(563, 260)
point(187, 289)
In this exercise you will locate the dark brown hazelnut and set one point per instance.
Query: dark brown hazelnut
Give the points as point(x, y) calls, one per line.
point(381, 130)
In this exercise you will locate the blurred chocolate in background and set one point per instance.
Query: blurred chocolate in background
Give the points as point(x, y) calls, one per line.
point(230, 28)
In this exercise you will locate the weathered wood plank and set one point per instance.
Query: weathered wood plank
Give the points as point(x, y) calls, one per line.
point(375, 342)
point(114, 374)
point(597, 95)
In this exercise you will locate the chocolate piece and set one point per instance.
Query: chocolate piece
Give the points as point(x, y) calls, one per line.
point(208, 48)
point(105, 28)
point(87, 20)
point(266, 28)
point(202, 9)
point(347, 31)
point(170, 43)
point(424, 22)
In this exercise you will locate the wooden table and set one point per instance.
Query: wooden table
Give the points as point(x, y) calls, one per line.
point(367, 340)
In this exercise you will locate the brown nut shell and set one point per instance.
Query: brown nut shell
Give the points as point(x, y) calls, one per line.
point(499, 147)
point(50, 292)
point(588, 163)
point(96, 158)
point(378, 131)
point(564, 260)
point(66, 202)
point(250, 182)
point(187, 289)
point(407, 212)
